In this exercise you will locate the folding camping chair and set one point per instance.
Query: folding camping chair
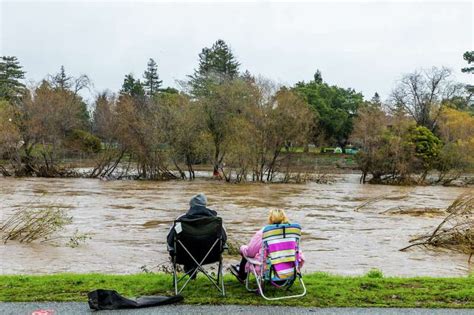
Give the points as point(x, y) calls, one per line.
point(198, 242)
point(280, 247)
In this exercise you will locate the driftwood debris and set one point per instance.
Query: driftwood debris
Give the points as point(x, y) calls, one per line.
point(456, 231)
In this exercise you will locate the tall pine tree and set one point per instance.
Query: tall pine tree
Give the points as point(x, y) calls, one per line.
point(61, 80)
point(132, 87)
point(469, 57)
point(376, 100)
point(318, 77)
point(11, 73)
point(216, 65)
point(152, 80)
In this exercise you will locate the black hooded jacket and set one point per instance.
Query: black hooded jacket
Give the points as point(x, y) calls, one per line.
point(194, 212)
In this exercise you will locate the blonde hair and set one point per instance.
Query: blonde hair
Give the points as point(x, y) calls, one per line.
point(277, 216)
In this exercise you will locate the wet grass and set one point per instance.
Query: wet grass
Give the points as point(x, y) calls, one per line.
point(371, 290)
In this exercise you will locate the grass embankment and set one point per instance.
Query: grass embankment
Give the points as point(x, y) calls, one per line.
point(323, 290)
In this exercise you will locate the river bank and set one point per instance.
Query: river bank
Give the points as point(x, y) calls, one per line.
point(324, 290)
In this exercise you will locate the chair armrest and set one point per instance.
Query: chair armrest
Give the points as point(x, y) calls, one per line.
point(253, 261)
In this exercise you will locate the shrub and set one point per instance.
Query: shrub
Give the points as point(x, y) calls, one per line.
point(375, 273)
point(80, 140)
point(28, 225)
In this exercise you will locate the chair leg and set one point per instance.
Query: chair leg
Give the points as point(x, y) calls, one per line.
point(175, 277)
point(220, 276)
point(247, 280)
point(286, 296)
point(260, 287)
point(199, 267)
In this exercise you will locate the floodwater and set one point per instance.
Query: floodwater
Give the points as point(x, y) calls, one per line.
point(128, 222)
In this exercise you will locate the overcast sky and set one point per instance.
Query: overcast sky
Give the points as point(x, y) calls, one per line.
point(363, 45)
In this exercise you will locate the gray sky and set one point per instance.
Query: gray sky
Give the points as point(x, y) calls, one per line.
point(363, 45)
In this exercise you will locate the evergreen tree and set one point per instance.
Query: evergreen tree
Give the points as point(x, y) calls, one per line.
point(376, 100)
point(248, 77)
point(152, 80)
point(334, 107)
point(318, 78)
point(216, 65)
point(132, 87)
point(11, 73)
point(169, 90)
point(469, 57)
point(61, 80)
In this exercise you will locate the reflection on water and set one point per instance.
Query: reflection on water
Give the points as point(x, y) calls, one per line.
point(129, 220)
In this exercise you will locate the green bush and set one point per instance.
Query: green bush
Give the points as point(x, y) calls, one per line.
point(375, 273)
point(427, 145)
point(80, 140)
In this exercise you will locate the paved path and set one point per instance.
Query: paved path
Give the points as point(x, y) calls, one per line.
point(82, 308)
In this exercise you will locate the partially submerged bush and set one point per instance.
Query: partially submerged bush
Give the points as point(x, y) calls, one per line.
point(77, 239)
point(456, 231)
point(27, 225)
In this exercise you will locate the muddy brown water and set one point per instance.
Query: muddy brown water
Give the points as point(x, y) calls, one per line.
point(128, 222)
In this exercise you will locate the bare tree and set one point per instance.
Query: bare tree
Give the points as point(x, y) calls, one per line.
point(224, 103)
point(369, 127)
point(46, 118)
point(62, 81)
point(421, 94)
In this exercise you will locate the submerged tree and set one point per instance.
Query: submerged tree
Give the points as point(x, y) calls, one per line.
point(48, 119)
point(369, 127)
point(9, 135)
point(455, 232)
point(226, 102)
point(426, 147)
point(184, 129)
point(105, 126)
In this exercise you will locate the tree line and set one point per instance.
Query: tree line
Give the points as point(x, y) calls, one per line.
point(243, 125)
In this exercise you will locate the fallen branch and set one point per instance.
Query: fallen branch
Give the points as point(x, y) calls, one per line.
point(456, 231)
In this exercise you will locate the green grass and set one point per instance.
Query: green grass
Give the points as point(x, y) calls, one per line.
point(371, 290)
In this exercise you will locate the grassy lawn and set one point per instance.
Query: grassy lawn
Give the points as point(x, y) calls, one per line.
point(323, 290)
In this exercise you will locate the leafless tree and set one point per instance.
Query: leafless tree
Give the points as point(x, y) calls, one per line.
point(421, 94)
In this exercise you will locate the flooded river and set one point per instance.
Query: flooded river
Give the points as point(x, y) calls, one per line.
point(128, 222)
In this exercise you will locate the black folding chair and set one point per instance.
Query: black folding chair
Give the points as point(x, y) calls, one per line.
point(198, 242)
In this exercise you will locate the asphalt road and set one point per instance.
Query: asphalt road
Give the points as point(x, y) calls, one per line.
point(82, 308)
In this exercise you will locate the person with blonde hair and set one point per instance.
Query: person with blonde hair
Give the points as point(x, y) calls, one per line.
point(254, 247)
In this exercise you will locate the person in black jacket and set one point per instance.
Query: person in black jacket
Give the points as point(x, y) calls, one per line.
point(198, 209)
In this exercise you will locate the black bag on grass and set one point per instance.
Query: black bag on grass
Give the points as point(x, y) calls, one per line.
point(111, 300)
